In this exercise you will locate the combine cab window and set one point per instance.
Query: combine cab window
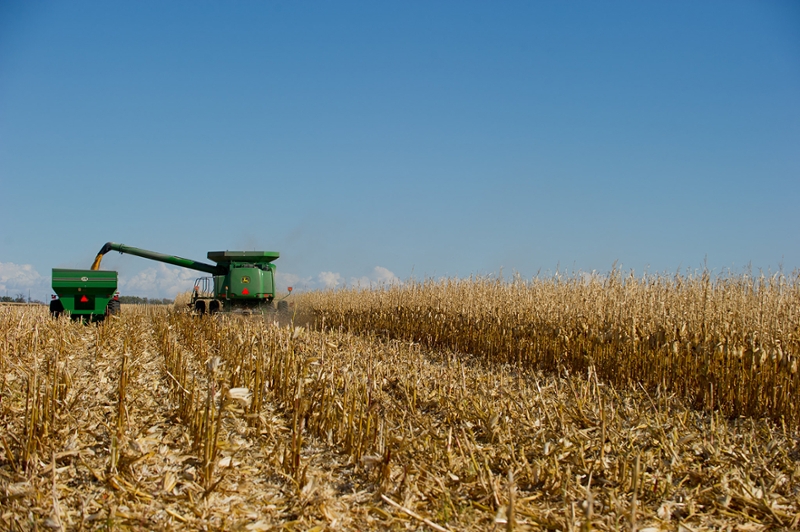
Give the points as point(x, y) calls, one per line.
point(84, 302)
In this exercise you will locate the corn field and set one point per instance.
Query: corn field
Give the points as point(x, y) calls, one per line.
point(559, 404)
point(729, 345)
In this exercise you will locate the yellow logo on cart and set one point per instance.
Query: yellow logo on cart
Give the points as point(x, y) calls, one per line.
point(245, 279)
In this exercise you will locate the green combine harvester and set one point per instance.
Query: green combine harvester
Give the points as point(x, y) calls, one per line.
point(239, 281)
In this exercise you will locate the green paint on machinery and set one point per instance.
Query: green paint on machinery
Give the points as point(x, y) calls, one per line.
point(84, 294)
point(240, 281)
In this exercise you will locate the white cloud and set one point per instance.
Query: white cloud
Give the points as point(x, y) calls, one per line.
point(380, 276)
point(18, 275)
point(21, 279)
point(383, 275)
point(284, 280)
point(329, 279)
point(159, 281)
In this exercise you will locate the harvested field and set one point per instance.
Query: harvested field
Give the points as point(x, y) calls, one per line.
point(160, 420)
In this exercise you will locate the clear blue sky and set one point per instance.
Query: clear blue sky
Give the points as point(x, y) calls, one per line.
point(425, 138)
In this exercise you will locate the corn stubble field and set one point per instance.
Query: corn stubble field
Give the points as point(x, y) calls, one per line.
point(562, 404)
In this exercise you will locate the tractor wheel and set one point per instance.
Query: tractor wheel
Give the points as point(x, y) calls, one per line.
point(113, 308)
point(56, 308)
point(200, 307)
point(213, 307)
point(283, 307)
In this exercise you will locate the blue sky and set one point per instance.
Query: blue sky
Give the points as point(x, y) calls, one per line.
point(369, 141)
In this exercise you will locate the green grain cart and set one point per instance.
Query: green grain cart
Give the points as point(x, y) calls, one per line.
point(85, 294)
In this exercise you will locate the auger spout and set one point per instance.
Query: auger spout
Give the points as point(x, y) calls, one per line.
point(152, 255)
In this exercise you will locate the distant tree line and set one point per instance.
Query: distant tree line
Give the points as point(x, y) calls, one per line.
point(19, 299)
point(136, 300)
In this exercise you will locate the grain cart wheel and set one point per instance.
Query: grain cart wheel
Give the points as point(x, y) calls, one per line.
point(213, 307)
point(283, 307)
point(113, 308)
point(56, 308)
point(200, 307)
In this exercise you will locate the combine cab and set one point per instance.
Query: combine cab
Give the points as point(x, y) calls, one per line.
point(85, 294)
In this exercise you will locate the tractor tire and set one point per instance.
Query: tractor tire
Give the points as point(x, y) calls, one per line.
point(213, 307)
point(283, 307)
point(56, 308)
point(113, 308)
point(200, 307)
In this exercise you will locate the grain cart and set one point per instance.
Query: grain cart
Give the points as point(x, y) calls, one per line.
point(88, 295)
point(240, 281)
